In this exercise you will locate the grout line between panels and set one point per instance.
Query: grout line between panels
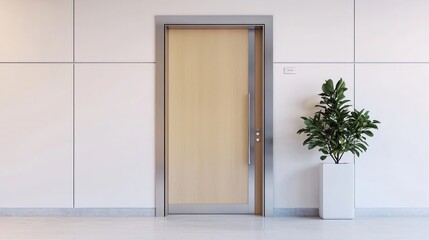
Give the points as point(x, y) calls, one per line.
point(351, 62)
point(74, 148)
point(74, 23)
point(73, 62)
point(354, 94)
point(155, 62)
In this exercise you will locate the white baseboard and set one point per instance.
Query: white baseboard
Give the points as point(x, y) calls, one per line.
point(392, 212)
point(150, 212)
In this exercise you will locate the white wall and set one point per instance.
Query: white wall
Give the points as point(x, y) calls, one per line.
point(114, 147)
point(296, 170)
point(36, 150)
point(114, 102)
point(305, 30)
point(36, 31)
point(395, 171)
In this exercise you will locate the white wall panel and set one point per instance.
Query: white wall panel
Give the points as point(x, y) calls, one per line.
point(306, 30)
point(296, 169)
point(36, 138)
point(114, 135)
point(34, 31)
point(112, 30)
point(392, 30)
point(313, 31)
point(395, 170)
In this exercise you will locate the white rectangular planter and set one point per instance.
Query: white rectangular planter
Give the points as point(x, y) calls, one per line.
point(336, 182)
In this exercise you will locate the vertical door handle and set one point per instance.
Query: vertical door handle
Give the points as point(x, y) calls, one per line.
point(249, 105)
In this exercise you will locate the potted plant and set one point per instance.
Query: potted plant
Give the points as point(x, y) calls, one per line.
point(335, 130)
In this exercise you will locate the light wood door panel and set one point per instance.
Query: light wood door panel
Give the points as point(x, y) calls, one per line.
point(207, 116)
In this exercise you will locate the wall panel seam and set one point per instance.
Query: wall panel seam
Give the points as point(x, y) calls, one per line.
point(155, 62)
point(74, 128)
point(354, 95)
point(351, 62)
point(73, 62)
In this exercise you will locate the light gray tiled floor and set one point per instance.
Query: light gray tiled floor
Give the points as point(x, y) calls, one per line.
point(212, 227)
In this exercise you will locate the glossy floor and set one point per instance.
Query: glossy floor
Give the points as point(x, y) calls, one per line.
point(211, 227)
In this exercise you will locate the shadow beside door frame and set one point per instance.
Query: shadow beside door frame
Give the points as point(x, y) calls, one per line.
point(162, 22)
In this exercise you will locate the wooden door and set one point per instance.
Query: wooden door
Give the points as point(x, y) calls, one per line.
point(207, 119)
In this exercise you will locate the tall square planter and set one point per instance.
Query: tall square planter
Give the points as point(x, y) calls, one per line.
point(336, 191)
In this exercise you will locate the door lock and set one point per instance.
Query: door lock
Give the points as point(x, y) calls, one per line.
point(258, 133)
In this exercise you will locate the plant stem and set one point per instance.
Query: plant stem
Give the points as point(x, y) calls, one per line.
point(330, 151)
point(341, 156)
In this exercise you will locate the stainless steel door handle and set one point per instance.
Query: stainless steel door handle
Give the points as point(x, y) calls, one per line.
point(248, 128)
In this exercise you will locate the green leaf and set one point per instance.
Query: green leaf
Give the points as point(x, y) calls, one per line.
point(339, 84)
point(306, 141)
point(322, 158)
point(368, 133)
point(360, 145)
point(354, 151)
point(330, 86)
point(325, 89)
point(307, 122)
point(320, 106)
point(311, 146)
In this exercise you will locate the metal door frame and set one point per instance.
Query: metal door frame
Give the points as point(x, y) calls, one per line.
point(162, 23)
